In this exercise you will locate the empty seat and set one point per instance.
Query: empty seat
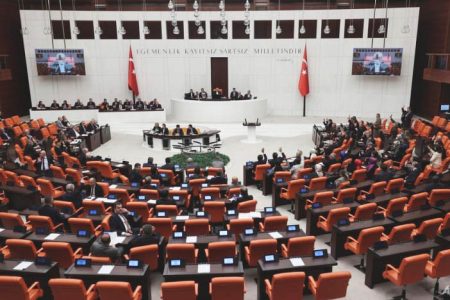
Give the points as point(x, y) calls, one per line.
point(329, 285)
point(274, 223)
point(112, 290)
point(366, 239)
point(19, 249)
point(429, 228)
point(197, 227)
point(14, 287)
point(259, 248)
point(217, 251)
point(336, 214)
point(186, 252)
point(286, 286)
point(298, 246)
point(439, 268)
point(147, 254)
point(71, 289)
point(62, 253)
point(363, 212)
point(186, 290)
point(399, 234)
point(226, 288)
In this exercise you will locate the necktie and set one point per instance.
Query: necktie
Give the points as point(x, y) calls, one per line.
point(42, 167)
point(93, 191)
point(125, 223)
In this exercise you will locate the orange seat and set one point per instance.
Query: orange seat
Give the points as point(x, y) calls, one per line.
point(410, 271)
point(122, 195)
point(12, 177)
point(284, 175)
point(298, 246)
point(238, 226)
point(214, 192)
point(112, 290)
point(75, 175)
point(336, 214)
point(395, 185)
point(183, 195)
point(247, 206)
point(140, 208)
point(376, 189)
point(77, 224)
point(290, 194)
point(329, 285)
point(19, 249)
point(346, 194)
point(399, 234)
point(66, 207)
point(44, 222)
point(47, 188)
point(14, 287)
point(11, 220)
point(58, 172)
point(438, 268)
point(151, 194)
point(217, 251)
point(147, 254)
point(286, 286)
point(334, 168)
point(446, 223)
point(186, 290)
point(226, 288)
point(359, 175)
point(363, 212)
point(438, 195)
point(197, 227)
point(62, 253)
point(28, 181)
point(394, 205)
point(170, 210)
point(106, 171)
point(16, 120)
point(429, 228)
point(260, 172)
point(163, 226)
point(274, 223)
point(366, 239)
point(324, 198)
point(99, 206)
point(196, 185)
point(233, 192)
point(215, 210)
point(318, 183)
point(71, 289)
point(186, 252)
point(258, 249)
point(416, 201)
point(171, 177)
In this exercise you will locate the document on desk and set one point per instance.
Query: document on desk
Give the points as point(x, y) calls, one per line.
point(255, 214)
point(2, 229)
point(204, 268)
point(152, 201)
point(106, 269)
point(52, 236)
point(297, 261)
point(191, 239)
point(115, 239)
point(23, 265)
point(244, 215)
point(113, 186)
point(275, 235)
point(182, 217)
point(175, 188)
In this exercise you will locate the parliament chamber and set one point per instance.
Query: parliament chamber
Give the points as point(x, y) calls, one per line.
point(224, 150)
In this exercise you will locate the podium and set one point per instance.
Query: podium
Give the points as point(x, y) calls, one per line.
point(251, 132)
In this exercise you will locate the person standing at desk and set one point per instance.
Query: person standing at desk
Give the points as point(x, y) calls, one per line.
point(156, 128)
point(43, 163)
point(90, 104)
point(203, 95)
point(178, 131)
point(54, 105)
point(164, 129)
point(234, 94)
point(191, 130)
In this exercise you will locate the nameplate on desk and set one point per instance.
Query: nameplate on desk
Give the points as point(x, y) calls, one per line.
point(204, 268)
point(52, 236)
point(275, 235)
point(151, 201)
point(297, 261)
point(106, 269)
point(191, 239)
point(181, 217)
point(113, 186)
point(23, 265)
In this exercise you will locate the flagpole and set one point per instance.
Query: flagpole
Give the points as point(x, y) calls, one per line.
point(304, 106)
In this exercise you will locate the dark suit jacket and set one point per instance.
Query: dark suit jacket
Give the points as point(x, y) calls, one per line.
point(74, 197)
point(144, 239)
point(71, 132)
point(168, 167)
point(165, 202)
point(178, 131)
point(191, 131)
point(164, 131)
point(82, 129)
point(218, 180)
point(116, 223)
point(135, 176)
point(100, 249)
point(53, 213)
point(98, 191)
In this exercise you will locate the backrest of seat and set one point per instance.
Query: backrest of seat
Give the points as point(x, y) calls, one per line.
point(325, 198)
point(21, 249)
point(58, 172)
point(247, 206)
point(438, 195)
point(121, 194)
point(92, 204)
point(195, 185)
point(442, 263)
point(294, 186)
point(60, 252)
point(10, 220)
point(395, 185)
point(185, 252)
point(337, 214)
point(401, 233)
point(238, 226)
point(412, 268)
point(377, 188)
point(275, 223)
point(214, 192)
point(197, 226)
point(288, 286)
point(285, 175)
point(46, 186)
point(348, 193)
point(151, 194)
point(75, 174)
point(67, 289)
point(178, 290)
point(171, 210)
point(219, 250)
point(148, 254)
point(260, 171)
point(332, 285)
point(163, 226)
point(430, 227)
point(367, 237)
point(301, 246)
point(417, 200)
point(318, 183)
point(64, 206)
point(81, 224)
point(41, 222)
point(114, 290)
point(215, 210)
point(13, 287)
point(226, 288)
point(446, 222)
point(396, 204)
point(365, 211)
point(28, 181)
point(140, 208)
point(359, 175)
point(259, 248)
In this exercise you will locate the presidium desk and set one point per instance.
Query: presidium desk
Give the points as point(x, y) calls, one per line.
point(167, 142)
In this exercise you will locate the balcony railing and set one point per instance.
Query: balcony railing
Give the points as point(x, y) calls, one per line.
point(438, 68)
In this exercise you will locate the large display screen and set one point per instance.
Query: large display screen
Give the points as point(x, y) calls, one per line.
point(60, 62)
point(373, 61)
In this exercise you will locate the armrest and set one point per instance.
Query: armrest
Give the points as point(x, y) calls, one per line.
point(351, 239)
point(78, 252)
point(98, 228)
point(261, 226)
point(350, 215)
point(312, 282)
point(364, 192)
point(59, 188)
point(384, 235)
point(322, 218)
point(78, 211)
point(247, 250)
point(61, 225)
point(284, 190)
point(91, 289)
point(126, 257)
point(108, 209)
point(137, 292)
point(391, 267)
point(132, 196)
point(309, 202)
point(174, 227)
point(115, 170)
point(268, 285)
point(284, 248)
point(35, 285)
point(40, 251)
point(381, 209)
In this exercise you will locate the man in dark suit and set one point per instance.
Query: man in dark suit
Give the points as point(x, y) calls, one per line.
point(164, 198)
point(149, 163)
point(164, 129)
point(218, 179)
point(190, 164)
point(119, 220)
point(78, 104)
point(72, 132)
point(203, 95)
point(101, 247)
point(276, 159)
point(43, 163)
point(54, 105)
point(91, 104)
point(29, 150)
point(135, 174)
point(93, 189)
point(49, 211)
point(92, 125)
point(261, 159)
point(146, 236)
point(406, 117)
point(168, 165)
point(139, 104)
point(191, 130)
point(234, 94)
point(248, 96)
point(72, 195)
point(127, 104)
point(83, 156)
point(82, 128)
point(384, 175)
point(178, 131)
point(192, 95)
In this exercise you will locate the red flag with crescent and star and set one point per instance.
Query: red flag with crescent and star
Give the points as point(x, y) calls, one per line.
point(132, 80)
point(303, 82)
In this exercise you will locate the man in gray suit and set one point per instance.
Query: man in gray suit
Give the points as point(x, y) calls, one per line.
point(102, 247)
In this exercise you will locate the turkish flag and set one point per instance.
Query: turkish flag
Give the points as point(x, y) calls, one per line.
point(132, 81)
point(303, 82)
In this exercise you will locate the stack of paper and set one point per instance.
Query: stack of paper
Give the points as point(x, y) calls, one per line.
point(182, 217)
point(275, 235)
point(106, 269)
point(175, 188)
point(151, 201)
point(115, 239)
point(23, 265)
point(297, 261)
point(204, 268)
point(244, 215)
point(191, 239)
point(52, 236)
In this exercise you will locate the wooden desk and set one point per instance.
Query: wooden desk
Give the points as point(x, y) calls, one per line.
point(276, 189)
point(105, 133)
point(93, 140)
point(57, 181)
point(312, 267)
point(383, 200)
point(74, 241)
point(21, 198)
point(180, 220)
point(267, 184)
point(417, 216)
point(313, 214)
point(11, 234)
point(33, 273)
point(120, 273)
point(339, 234)
point(443, 241)
point(248, 176)
point(190, 272)
point(378, 259)
point(444, 208)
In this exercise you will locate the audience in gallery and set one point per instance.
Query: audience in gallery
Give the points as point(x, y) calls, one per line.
point(116, 105)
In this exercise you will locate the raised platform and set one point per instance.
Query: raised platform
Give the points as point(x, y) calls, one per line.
point(218, 111)
point(73, 115)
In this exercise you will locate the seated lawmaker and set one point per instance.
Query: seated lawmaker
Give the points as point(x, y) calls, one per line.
point(147, 236)
point(92, 189)
point(65, 105)
point(164, 129)
point(139, 104)
point(234, 94)
point(203, 95)
point(154, 104)
point(127, 104)
point(164, 198)
point(91, 104)
point(217, 93)
point(49, 211)
point(192, 94)
point(135, 174)
point(41, 105)
point(191, 130)
point(168, 165)
point(101, 247)
point(92, 125)
point(218, 179)
point(72, 195)
point(116, 106)
point(248, 96)
point(72, 132)
point(178, 131)
point(78, 104)
point(261, 159)
point(119, 220)
point(156, 128)
point(104, 106)
point(54, 105)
